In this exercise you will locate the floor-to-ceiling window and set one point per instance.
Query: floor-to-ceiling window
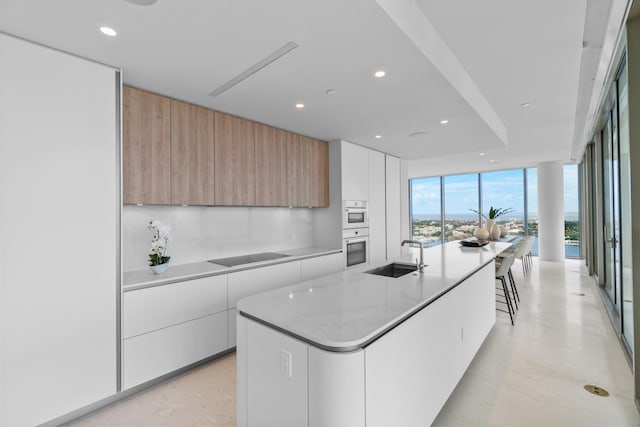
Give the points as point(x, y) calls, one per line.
point(505, 190)
point(426, 210)
point(442, 208)
point(571, 212)
point(531, 198)
point(460, 197)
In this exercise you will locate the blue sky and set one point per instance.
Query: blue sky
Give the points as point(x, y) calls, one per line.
point(502, 189)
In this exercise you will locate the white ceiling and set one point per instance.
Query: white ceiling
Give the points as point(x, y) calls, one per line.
point(473, 63)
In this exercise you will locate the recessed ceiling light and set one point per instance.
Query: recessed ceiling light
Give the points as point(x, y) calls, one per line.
point(380, 73)
point(143, 2)
point(378, 136)
point(444, 122)
point(108, 31)
point(332, 92)
point(299, 106)
point(482, 154)
point(525, 104)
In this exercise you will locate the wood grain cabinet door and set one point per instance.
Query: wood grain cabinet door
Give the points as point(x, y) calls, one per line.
point(298, 170)
point(192, 154)
point(318, 173)
point(234, 161)
point(146, 164)
point(271, 166)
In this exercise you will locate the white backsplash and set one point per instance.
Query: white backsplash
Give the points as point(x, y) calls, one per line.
point(201, 233)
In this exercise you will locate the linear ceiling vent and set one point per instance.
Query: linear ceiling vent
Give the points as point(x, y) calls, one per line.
point(255, 68)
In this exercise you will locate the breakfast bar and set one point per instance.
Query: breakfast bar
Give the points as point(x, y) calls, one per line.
point(359, 348)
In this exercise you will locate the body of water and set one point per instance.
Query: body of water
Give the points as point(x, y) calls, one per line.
point(570, 251)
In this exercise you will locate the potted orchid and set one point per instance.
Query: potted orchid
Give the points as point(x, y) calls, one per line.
point(158, 260)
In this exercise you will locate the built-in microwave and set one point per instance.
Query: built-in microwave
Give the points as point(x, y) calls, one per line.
point(354, 214)
point(355, 246)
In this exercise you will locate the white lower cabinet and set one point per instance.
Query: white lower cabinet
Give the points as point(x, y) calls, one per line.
point(157, 353)
point(149, 309)
point(312, 268)
point(168, 327)
point(249, 282)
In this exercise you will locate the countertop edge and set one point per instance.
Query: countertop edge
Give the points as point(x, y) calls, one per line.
point(223, 270)
point(360, 344)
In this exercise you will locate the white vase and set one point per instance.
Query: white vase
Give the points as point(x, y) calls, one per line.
point(481, 233)
point(488, 223)
point(160, 268)
point(494, 234)
point(503, 231)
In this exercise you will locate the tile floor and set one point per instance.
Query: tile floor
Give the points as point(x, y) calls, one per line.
point(530, 374)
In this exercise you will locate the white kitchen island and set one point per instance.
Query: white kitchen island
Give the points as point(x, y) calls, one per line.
point(356, 349)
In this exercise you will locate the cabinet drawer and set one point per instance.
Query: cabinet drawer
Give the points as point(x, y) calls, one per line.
point(150, 309)
point(249, 282)
point(152, 355)
point(321, 266)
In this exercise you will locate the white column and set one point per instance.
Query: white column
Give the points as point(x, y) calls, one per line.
point(550, 211)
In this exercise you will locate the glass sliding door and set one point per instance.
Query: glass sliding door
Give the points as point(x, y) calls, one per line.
point(611, 188)
point(625, 207)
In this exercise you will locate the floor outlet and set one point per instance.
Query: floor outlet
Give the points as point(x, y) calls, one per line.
point(285, 363)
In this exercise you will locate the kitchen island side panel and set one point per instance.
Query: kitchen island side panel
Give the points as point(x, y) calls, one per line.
point(412, 370)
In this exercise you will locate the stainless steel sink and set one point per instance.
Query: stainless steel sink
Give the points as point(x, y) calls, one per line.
point(395, 269)
point(247, 259)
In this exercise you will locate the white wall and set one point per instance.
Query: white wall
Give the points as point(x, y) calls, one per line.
point(201, 233)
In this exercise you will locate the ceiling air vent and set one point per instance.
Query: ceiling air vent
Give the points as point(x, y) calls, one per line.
point(255, 68)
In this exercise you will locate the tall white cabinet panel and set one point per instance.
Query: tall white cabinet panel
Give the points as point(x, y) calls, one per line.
point(59, 257)
point(394, 235)
point(355, 172)
point(377, 208)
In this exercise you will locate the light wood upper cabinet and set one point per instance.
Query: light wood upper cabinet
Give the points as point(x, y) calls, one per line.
point(271, 166)
point(297, 170)
point(192, 154)
point(146, 165)
point(182, 154)
point(318, 173)
point(234, 161)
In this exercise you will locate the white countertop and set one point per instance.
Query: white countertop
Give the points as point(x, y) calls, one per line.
point(140, 279)
point(346, 311)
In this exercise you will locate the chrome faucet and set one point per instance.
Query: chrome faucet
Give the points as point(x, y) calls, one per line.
point(421, 264)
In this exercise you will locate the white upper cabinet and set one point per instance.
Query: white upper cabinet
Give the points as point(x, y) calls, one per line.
point(355, 172)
